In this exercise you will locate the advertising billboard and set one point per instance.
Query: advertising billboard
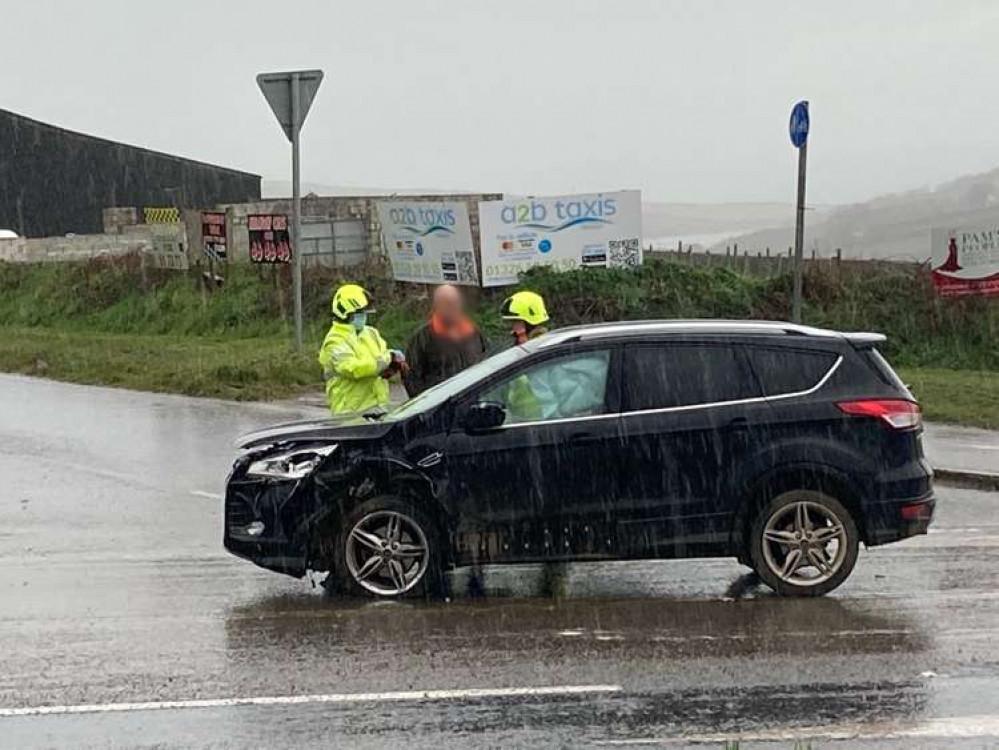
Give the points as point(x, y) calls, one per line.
point(429, 243)
point(213, 235)
point(270, 241)
point(596, 230)
point(965, 260)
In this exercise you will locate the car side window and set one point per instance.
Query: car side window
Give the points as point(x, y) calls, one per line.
point(671, 375)
point(572, 386)
point(782, 371)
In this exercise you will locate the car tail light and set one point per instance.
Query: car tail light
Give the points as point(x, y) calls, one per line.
point(917, 512)
point(896, 413)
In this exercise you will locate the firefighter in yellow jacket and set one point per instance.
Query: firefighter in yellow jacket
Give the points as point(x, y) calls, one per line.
point(355, 359)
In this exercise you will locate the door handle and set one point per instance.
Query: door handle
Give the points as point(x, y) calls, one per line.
point(580, 438)
point(739, 423)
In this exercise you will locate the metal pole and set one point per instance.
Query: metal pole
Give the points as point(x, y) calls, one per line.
point(799, 236)
point(296, 210)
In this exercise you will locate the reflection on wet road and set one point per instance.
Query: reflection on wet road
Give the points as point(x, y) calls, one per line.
point(123, 622)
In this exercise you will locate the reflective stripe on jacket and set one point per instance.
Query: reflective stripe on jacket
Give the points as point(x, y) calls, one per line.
point(352, 364)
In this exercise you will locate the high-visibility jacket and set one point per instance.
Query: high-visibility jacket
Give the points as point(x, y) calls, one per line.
point(352, 365)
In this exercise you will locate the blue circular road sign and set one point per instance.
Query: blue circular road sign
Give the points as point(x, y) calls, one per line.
point(799, 124)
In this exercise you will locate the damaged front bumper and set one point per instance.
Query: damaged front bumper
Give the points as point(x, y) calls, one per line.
point(256, 524)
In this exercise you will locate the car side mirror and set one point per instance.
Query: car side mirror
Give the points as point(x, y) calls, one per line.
point(486, 415)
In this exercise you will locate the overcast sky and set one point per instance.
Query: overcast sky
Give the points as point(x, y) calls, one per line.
point(688, 101)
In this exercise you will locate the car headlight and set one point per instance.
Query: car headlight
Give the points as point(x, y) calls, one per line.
point(296, 463)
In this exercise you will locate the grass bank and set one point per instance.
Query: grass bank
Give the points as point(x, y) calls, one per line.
point(965, 397)
point(254, 369)
point(107, 323)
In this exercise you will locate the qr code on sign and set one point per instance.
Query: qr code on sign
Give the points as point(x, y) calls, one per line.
point(465, 260)
point(624, 252)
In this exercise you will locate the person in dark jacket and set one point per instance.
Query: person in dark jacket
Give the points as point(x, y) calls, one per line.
point(447, 344)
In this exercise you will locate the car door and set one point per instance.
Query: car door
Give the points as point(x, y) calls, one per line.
point(523, 489)
point(687, 419)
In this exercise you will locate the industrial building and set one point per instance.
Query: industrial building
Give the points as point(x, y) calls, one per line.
point(55, 182)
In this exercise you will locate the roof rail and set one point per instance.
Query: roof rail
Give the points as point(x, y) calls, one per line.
point(705, 325)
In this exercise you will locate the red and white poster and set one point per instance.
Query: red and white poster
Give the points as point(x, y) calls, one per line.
point(965, 260)
point(213, 235)
point(269, 238)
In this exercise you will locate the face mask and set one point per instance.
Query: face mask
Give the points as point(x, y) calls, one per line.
point(359, 320)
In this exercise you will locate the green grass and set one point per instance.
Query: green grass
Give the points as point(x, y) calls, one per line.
point(965, 397)
point(240, 369)
point(108, 323)
point(266, 368)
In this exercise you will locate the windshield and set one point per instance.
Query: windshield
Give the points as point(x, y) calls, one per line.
point(437, 395)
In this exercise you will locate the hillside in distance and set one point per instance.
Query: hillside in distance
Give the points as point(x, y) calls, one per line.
point(889, 227)
point(895, 226)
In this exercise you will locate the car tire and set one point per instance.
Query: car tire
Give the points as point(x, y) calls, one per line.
point(387, 548)
point(803, 543)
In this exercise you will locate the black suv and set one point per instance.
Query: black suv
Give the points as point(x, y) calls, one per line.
point(781, 445)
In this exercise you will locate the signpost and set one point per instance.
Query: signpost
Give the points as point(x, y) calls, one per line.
point(799, 139)
point(290, 96)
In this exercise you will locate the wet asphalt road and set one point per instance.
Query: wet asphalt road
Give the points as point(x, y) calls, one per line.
point(115, 592)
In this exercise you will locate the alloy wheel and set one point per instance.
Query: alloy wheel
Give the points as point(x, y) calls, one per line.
point(387, 553)
point(804, 543)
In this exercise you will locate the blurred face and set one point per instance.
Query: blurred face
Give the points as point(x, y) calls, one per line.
point(448, 304)
point(519, 330)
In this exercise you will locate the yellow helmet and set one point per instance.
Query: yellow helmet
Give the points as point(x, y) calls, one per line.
point(349, 299)
point(526, 306)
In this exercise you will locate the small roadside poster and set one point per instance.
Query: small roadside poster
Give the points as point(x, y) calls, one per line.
point(965, 260)
point(270, 241)
point(213, 235)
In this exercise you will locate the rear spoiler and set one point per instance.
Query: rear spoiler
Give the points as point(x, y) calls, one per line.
point(865, 340)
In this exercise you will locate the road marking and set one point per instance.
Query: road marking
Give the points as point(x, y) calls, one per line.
point(949, 727)
point(340, 698)
point(978, 446)
point(209, 495)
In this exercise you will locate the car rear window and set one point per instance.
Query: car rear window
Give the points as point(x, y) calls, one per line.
point(884, 370)
point(671, 375)
point(781, 371)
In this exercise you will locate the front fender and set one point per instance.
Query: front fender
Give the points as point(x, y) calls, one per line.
point(340, 487)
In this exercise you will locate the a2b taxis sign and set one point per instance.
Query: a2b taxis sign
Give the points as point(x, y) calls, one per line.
point(429, 242)
point(597, 230)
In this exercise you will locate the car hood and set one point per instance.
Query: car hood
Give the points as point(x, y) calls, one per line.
point(324, 430)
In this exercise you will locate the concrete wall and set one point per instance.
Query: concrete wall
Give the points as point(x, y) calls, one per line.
point(179, 245)
point(338, 208)
point(161, 245)
point(75, 248)
point(54, 181)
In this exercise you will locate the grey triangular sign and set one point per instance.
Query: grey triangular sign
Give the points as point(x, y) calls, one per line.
point(276, 88)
